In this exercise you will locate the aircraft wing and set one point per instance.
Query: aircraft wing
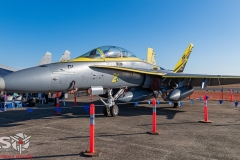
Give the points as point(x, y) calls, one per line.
point(197, 79)
point(4, 70)
point(194, 79)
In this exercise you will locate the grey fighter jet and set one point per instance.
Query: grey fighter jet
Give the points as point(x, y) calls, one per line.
point(105, 68)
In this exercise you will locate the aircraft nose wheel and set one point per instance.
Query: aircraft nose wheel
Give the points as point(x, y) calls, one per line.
point(114, 110)
point(110, 104)
point(106, 111)
point(175, 105)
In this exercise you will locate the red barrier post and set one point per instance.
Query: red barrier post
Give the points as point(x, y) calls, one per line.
point(75, 98)
point(75, 93)
point(154, 119)
point(205, 110)
point(91, 151)
point(57, 103)
point(92, 123)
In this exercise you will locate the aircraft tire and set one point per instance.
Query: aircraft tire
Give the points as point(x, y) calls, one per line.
point(114, 110)
point(106, 112)
point(175, 105)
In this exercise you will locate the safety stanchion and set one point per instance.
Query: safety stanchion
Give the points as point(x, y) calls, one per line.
point(236, 103)
point(231, 95)
point(191, 101)
point(75, 98)
point(91, 152)
point(29, 110)
point(58, 110)
point(154, 119)
point(220, 101)
point(75, 93)
point(205, 112)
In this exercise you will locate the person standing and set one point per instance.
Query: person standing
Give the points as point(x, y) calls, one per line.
point(46, 98)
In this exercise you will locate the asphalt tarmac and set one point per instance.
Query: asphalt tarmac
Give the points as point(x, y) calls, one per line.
point(181, 136)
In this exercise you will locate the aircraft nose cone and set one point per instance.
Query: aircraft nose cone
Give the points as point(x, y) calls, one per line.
point(2, 84)
point(36, 79)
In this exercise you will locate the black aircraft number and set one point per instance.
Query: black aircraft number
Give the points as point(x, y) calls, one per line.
point(70, 66)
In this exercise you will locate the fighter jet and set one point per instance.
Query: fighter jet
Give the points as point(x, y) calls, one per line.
point(106, 68)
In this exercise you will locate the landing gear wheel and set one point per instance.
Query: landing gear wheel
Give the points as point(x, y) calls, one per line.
point(175, 105)
point(106, 111)
point(114, 110)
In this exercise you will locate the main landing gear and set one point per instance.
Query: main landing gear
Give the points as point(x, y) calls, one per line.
point(113, 111)
point(110, 107)
point(176, 105)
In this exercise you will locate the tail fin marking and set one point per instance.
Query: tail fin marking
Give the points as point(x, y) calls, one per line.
point(183, 60)
point(151, 56)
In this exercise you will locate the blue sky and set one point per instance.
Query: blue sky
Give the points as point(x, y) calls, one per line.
point(30, 28)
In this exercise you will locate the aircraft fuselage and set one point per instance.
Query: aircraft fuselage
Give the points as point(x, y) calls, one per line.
point(59, 76)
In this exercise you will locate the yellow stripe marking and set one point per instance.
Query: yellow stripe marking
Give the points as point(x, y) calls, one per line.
point(129, 69)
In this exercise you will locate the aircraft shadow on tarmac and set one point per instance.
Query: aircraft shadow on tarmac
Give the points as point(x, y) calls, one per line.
point(14, 117)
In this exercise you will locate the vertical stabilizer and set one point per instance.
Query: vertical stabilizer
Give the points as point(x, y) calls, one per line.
point(151, 56)
point(46, 59)
point(65, 56)
point(183, 60)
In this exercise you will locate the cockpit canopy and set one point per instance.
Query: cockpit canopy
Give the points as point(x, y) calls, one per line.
point(108, 52)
